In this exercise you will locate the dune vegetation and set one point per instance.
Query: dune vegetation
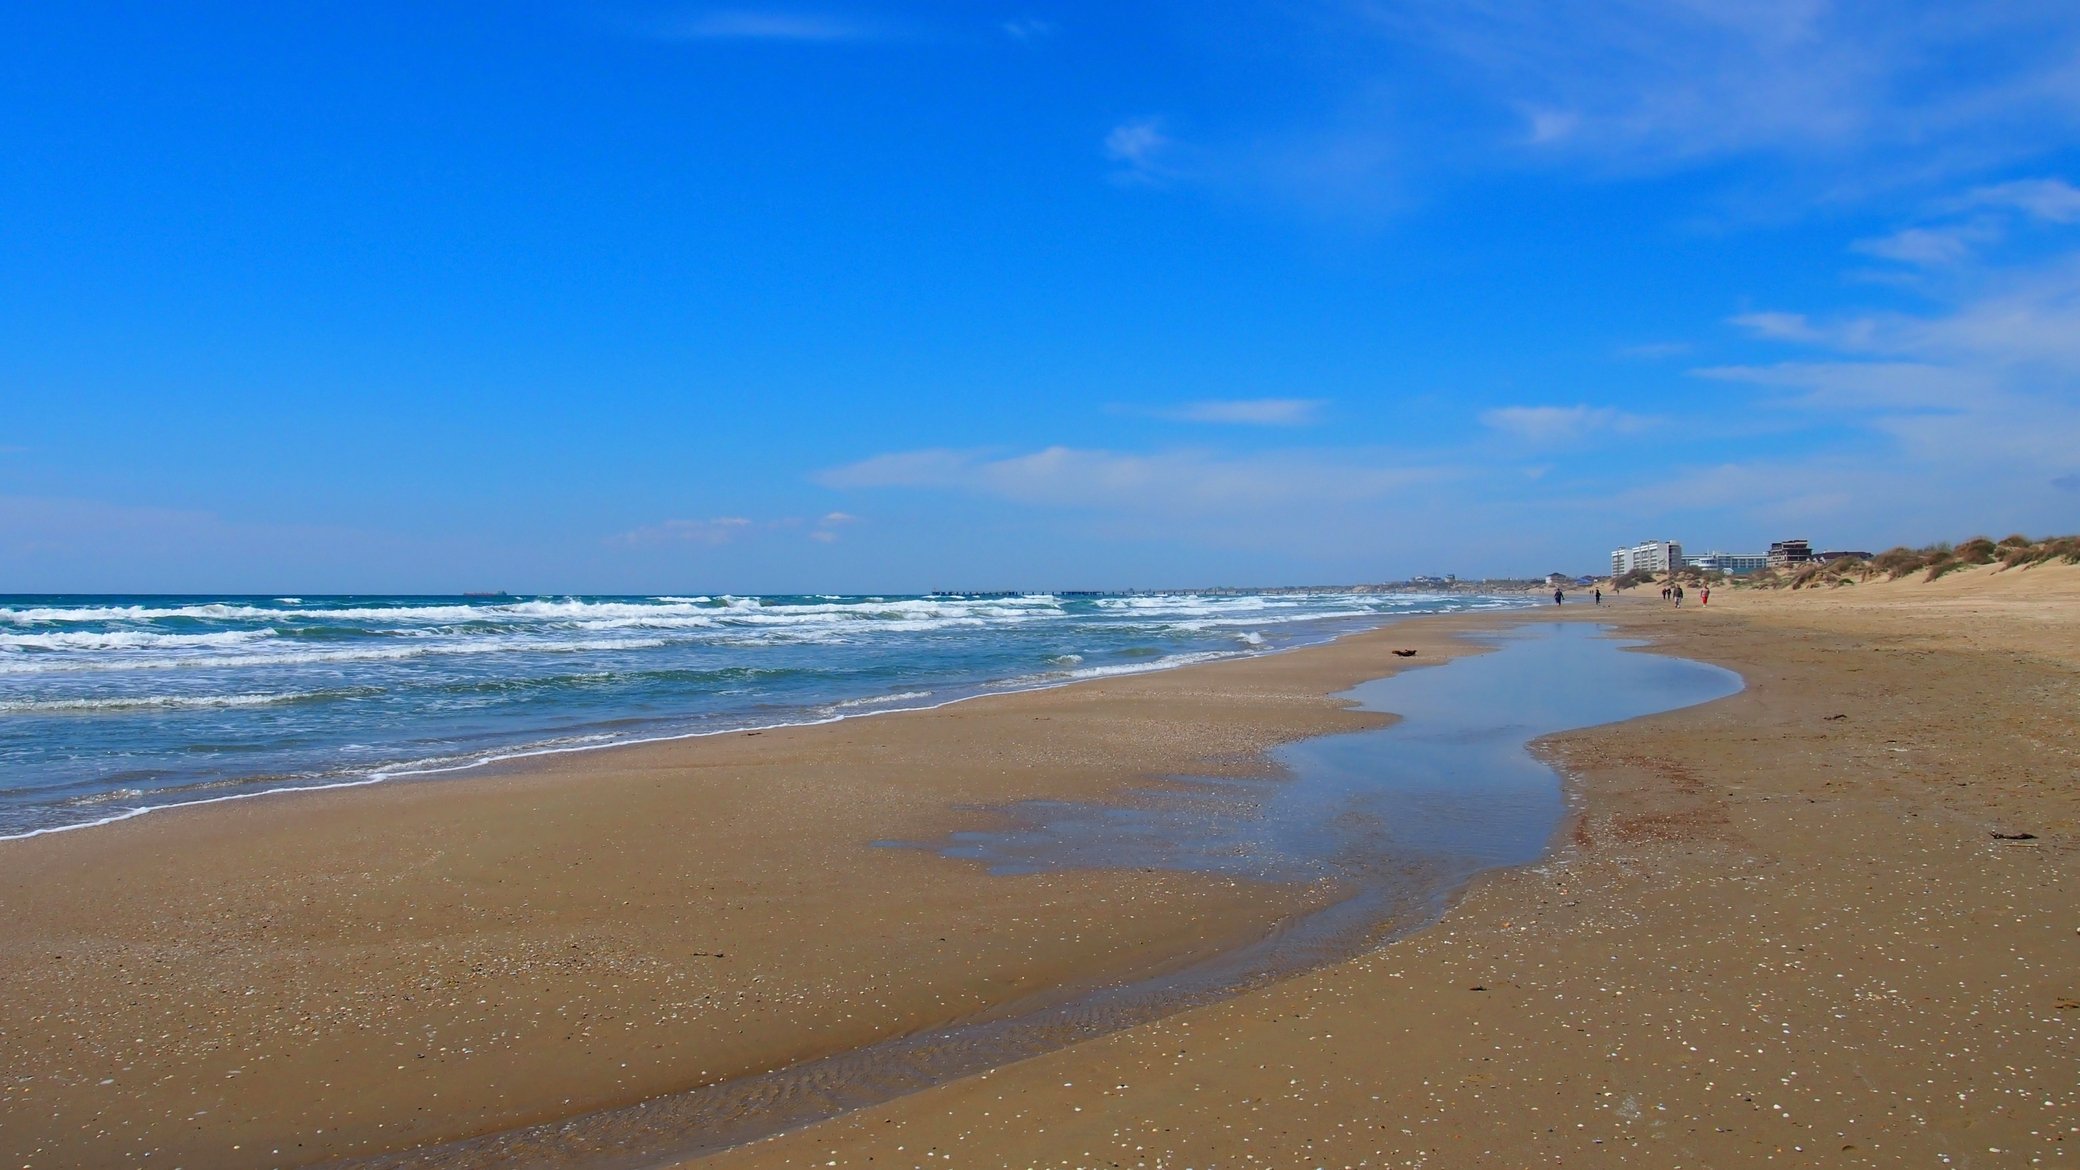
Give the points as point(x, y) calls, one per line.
point(1930, 561)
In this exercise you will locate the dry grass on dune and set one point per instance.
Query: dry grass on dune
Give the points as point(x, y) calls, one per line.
point(1932, 561)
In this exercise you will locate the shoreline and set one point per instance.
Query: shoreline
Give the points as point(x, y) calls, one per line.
point(504, 757)
point(1828, 916)
point(1827, 919)
point(1365, 908)
point(493, 880)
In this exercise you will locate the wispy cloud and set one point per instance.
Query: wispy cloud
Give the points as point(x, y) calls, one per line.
point(1968, 404)
point(1654, 350)
point(1647, 82)
point(1930, 246)
point(826, 529)
point(1816, 101)
point(1960, 227)
point(1866, 385)
point(1172, 481)
point(767, 25)
point(730, 529)
point(2054, 200)
point(1548, 425)
point(2011, 317)
point(1142, 151)
point(710, 532)
point(1255, 412)
point(1028, 29)
point(1773, 325)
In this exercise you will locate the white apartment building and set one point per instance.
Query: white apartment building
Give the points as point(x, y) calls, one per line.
point(1651, 556)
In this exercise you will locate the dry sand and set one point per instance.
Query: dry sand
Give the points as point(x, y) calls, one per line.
point(1781, 929)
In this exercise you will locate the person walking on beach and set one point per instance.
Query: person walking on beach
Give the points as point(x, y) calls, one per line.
point(1599, 597)
point(1704, 595)
point(1679, 596)
point(1558, 597)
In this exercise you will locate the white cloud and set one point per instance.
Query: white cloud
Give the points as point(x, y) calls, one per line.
point(1654, 350)
point(1929, 246)
point(1778, 326)
point(1172, 481)
point(2054, 200)
point(1028, 29)
point(1981, 216)
point(757, 25)
point(1869, 385)
point(709, 532)
point(1142, 149)
point(1550, 126)
point(826, 530)
point(1970, 406)
point(728, 529)
point(1561, 424)
point(1653, 82)
point(1853, 333)
point(1827, 100)
point(1786, 492)
point(2007, 317)
point(1261, 412)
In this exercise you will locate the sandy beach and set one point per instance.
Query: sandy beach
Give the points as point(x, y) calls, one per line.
point(1791, 927)
point(300, 978)
point(1828, 919)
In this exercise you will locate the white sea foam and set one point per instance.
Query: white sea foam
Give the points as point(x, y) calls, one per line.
point(536, 610)
point(149, 702)
point(329, 656)
point(1146, 666)
point(1260, 619)
point(128, 640)
point(880, 700)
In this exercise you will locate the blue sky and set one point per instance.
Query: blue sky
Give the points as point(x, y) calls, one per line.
point(968, 294)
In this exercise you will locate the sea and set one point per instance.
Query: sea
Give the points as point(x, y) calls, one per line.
point(111, 706)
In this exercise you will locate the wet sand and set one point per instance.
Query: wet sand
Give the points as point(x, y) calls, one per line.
point(1788, 928)
point(1780, 928)
point(294, 979)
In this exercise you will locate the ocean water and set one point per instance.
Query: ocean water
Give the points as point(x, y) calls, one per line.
point(110, 706)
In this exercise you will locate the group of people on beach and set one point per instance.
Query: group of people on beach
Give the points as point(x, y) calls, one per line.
point(1674, 592)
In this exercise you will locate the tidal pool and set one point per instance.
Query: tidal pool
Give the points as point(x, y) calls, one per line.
point(1451, 787)
point(1398, 818)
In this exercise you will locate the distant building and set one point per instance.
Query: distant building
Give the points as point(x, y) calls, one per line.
point(1837, 554)
point(1789, 552)
point(1726, 562)
point(1652, 556)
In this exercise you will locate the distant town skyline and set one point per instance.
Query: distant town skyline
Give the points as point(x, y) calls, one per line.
point(842, 297)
